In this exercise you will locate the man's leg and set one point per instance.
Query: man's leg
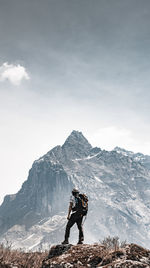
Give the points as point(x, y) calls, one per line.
point(80, 227)
point(70, 223)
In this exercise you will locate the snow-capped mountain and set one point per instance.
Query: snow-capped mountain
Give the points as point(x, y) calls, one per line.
point(118, 187)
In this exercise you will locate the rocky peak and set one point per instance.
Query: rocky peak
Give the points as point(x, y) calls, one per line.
point(76, 145)
point(75, 138)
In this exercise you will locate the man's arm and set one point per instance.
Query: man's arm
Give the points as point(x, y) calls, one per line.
point(69, 210)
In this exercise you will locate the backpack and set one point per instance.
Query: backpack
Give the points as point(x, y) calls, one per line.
point(84, 204)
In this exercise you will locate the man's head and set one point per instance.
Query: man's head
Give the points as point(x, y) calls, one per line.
point(75, 192)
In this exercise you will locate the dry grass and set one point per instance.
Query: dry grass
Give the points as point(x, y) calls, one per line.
point(19, 259)
point(113, 243)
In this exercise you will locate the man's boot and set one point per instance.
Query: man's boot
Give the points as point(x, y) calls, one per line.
point(80, 241)
point(65, 242)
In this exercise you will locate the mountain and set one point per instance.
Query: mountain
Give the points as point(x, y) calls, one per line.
point(118, 187)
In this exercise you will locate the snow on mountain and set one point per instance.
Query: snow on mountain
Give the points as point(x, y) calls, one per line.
point(118, 187)
point(38, 237)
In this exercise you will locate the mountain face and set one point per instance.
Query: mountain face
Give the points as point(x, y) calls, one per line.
point(40, 196)
point(118, 187)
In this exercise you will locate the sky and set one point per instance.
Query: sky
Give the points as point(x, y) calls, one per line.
point(71, 65)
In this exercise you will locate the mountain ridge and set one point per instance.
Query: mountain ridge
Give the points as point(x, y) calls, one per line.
point(144, 159)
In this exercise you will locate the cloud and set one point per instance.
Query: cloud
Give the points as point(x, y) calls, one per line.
point(112, 136)
point(13, 73)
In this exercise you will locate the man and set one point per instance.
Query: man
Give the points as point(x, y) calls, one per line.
point(76, 216)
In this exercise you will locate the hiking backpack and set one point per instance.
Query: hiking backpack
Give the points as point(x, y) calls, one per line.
point(84, 204)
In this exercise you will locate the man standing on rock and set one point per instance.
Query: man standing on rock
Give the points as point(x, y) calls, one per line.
point(76, 216)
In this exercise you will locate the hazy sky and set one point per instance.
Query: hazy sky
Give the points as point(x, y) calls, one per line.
point(71, 64)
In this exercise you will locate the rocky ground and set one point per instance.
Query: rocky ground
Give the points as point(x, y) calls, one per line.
point(97, 256)
point(70, 256)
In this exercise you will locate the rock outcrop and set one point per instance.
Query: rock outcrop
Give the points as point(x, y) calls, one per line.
point(93, 256)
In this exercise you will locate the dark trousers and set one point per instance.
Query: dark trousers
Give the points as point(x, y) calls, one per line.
point(75, 218)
